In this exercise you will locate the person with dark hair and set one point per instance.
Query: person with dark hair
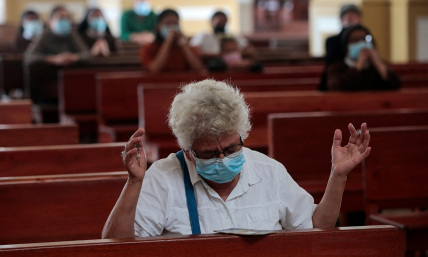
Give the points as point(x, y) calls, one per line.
point(233, 58)
point(138, 25)
point(59, 44)
point(170, 51)
point(350, 15)
point(208, 45)
point(361, 68)
point(29, 28)
point(96, 34)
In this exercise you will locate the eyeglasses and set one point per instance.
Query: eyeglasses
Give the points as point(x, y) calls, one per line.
point(226, 152)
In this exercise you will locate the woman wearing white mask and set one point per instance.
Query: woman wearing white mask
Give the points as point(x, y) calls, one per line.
point(170, 51)
point(30, 27)
point(138, 25)
point(362, 68)
point(217, 183)
point(59, 44)
point(96, 34)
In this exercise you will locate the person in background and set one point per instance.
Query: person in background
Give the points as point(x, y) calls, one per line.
point(138, 25)
point(233, 58)
point(233, 186)
point(350, 15)
point(95, 32)
point(208, 45)
point(59, 44)
point(170, 51)
point(361, 68)
point(30, 27)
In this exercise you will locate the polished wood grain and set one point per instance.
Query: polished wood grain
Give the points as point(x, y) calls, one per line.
point(15, 112)
point(349, 241)
point(38, 135)
point(396, 176)
point(57, 207)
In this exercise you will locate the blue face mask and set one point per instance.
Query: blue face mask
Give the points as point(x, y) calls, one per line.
point(164, 31)
point(142, 8)
point(61, 27)
point(221, 170)
point(31, 29)
point(98, 24)
point(354, 49)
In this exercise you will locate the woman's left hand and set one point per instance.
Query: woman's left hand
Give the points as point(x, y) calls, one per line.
point(344, 159)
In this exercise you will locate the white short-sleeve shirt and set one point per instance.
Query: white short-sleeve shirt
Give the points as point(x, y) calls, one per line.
point(210, 43)
point(265, 197)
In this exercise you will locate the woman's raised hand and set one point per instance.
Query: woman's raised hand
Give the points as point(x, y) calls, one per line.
point(134, 156)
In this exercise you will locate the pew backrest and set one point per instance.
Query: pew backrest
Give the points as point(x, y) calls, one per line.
point(396, 173)
point(38, 135)
point(57, 207)
point(345, 241)
point(15, 112)
point(60, 159)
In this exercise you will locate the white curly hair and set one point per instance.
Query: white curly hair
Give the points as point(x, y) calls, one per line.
point(208, 108)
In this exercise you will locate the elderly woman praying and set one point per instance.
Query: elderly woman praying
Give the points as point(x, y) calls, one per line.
point(217, 183)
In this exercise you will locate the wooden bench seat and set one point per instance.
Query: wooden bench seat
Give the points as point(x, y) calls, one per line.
point(395, 177)
point(15, 112)
point(57, 207)
point(346, 241)
point(38, 135)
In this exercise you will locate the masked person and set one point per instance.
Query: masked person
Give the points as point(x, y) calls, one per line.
point(233, 58)
point(138, 25)
point(59, 44)
point(233, 186)
point(208, 45)
point(361, 68)
point(170, 51)
point(29, 28)
point(95, 32)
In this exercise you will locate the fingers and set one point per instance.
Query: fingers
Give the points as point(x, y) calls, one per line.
point(354, 134)
point(337, 139)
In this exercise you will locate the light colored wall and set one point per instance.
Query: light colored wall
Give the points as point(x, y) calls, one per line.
point(194, 14)
point(324, 21)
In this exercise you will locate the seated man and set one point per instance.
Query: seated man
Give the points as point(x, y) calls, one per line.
point(233, 186)
point(208, 45)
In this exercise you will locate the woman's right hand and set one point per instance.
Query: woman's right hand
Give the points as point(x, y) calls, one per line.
point(136, 165)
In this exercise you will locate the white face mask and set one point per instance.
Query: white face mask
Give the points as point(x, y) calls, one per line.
point(32, 28)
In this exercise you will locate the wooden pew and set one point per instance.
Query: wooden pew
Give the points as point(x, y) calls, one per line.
point(154, 103)
point(60, 159)
point(348, 241)
point(15, 112)
point(118, 113)
point(302, 142)
point(11, 73)
point(38, 135)
point(77, 97)
point(57, 207)
point(396, 176)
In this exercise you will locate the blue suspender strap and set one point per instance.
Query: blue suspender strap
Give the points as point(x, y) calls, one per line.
point(190, 195)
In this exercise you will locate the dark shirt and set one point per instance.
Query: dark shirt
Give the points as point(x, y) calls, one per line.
point(90, 41)
point(341, 77)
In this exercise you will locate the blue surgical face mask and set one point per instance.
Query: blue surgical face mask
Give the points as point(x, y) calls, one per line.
point(221, 170)
point(164, 31)
point(98, 24)
point(354, 49)
point(32, 29)
point(61, 27)
point(142, 8)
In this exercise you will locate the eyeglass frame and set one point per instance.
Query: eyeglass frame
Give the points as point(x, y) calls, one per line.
point(217, 154)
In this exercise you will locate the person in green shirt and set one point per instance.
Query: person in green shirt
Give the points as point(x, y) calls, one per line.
point(138, 25)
